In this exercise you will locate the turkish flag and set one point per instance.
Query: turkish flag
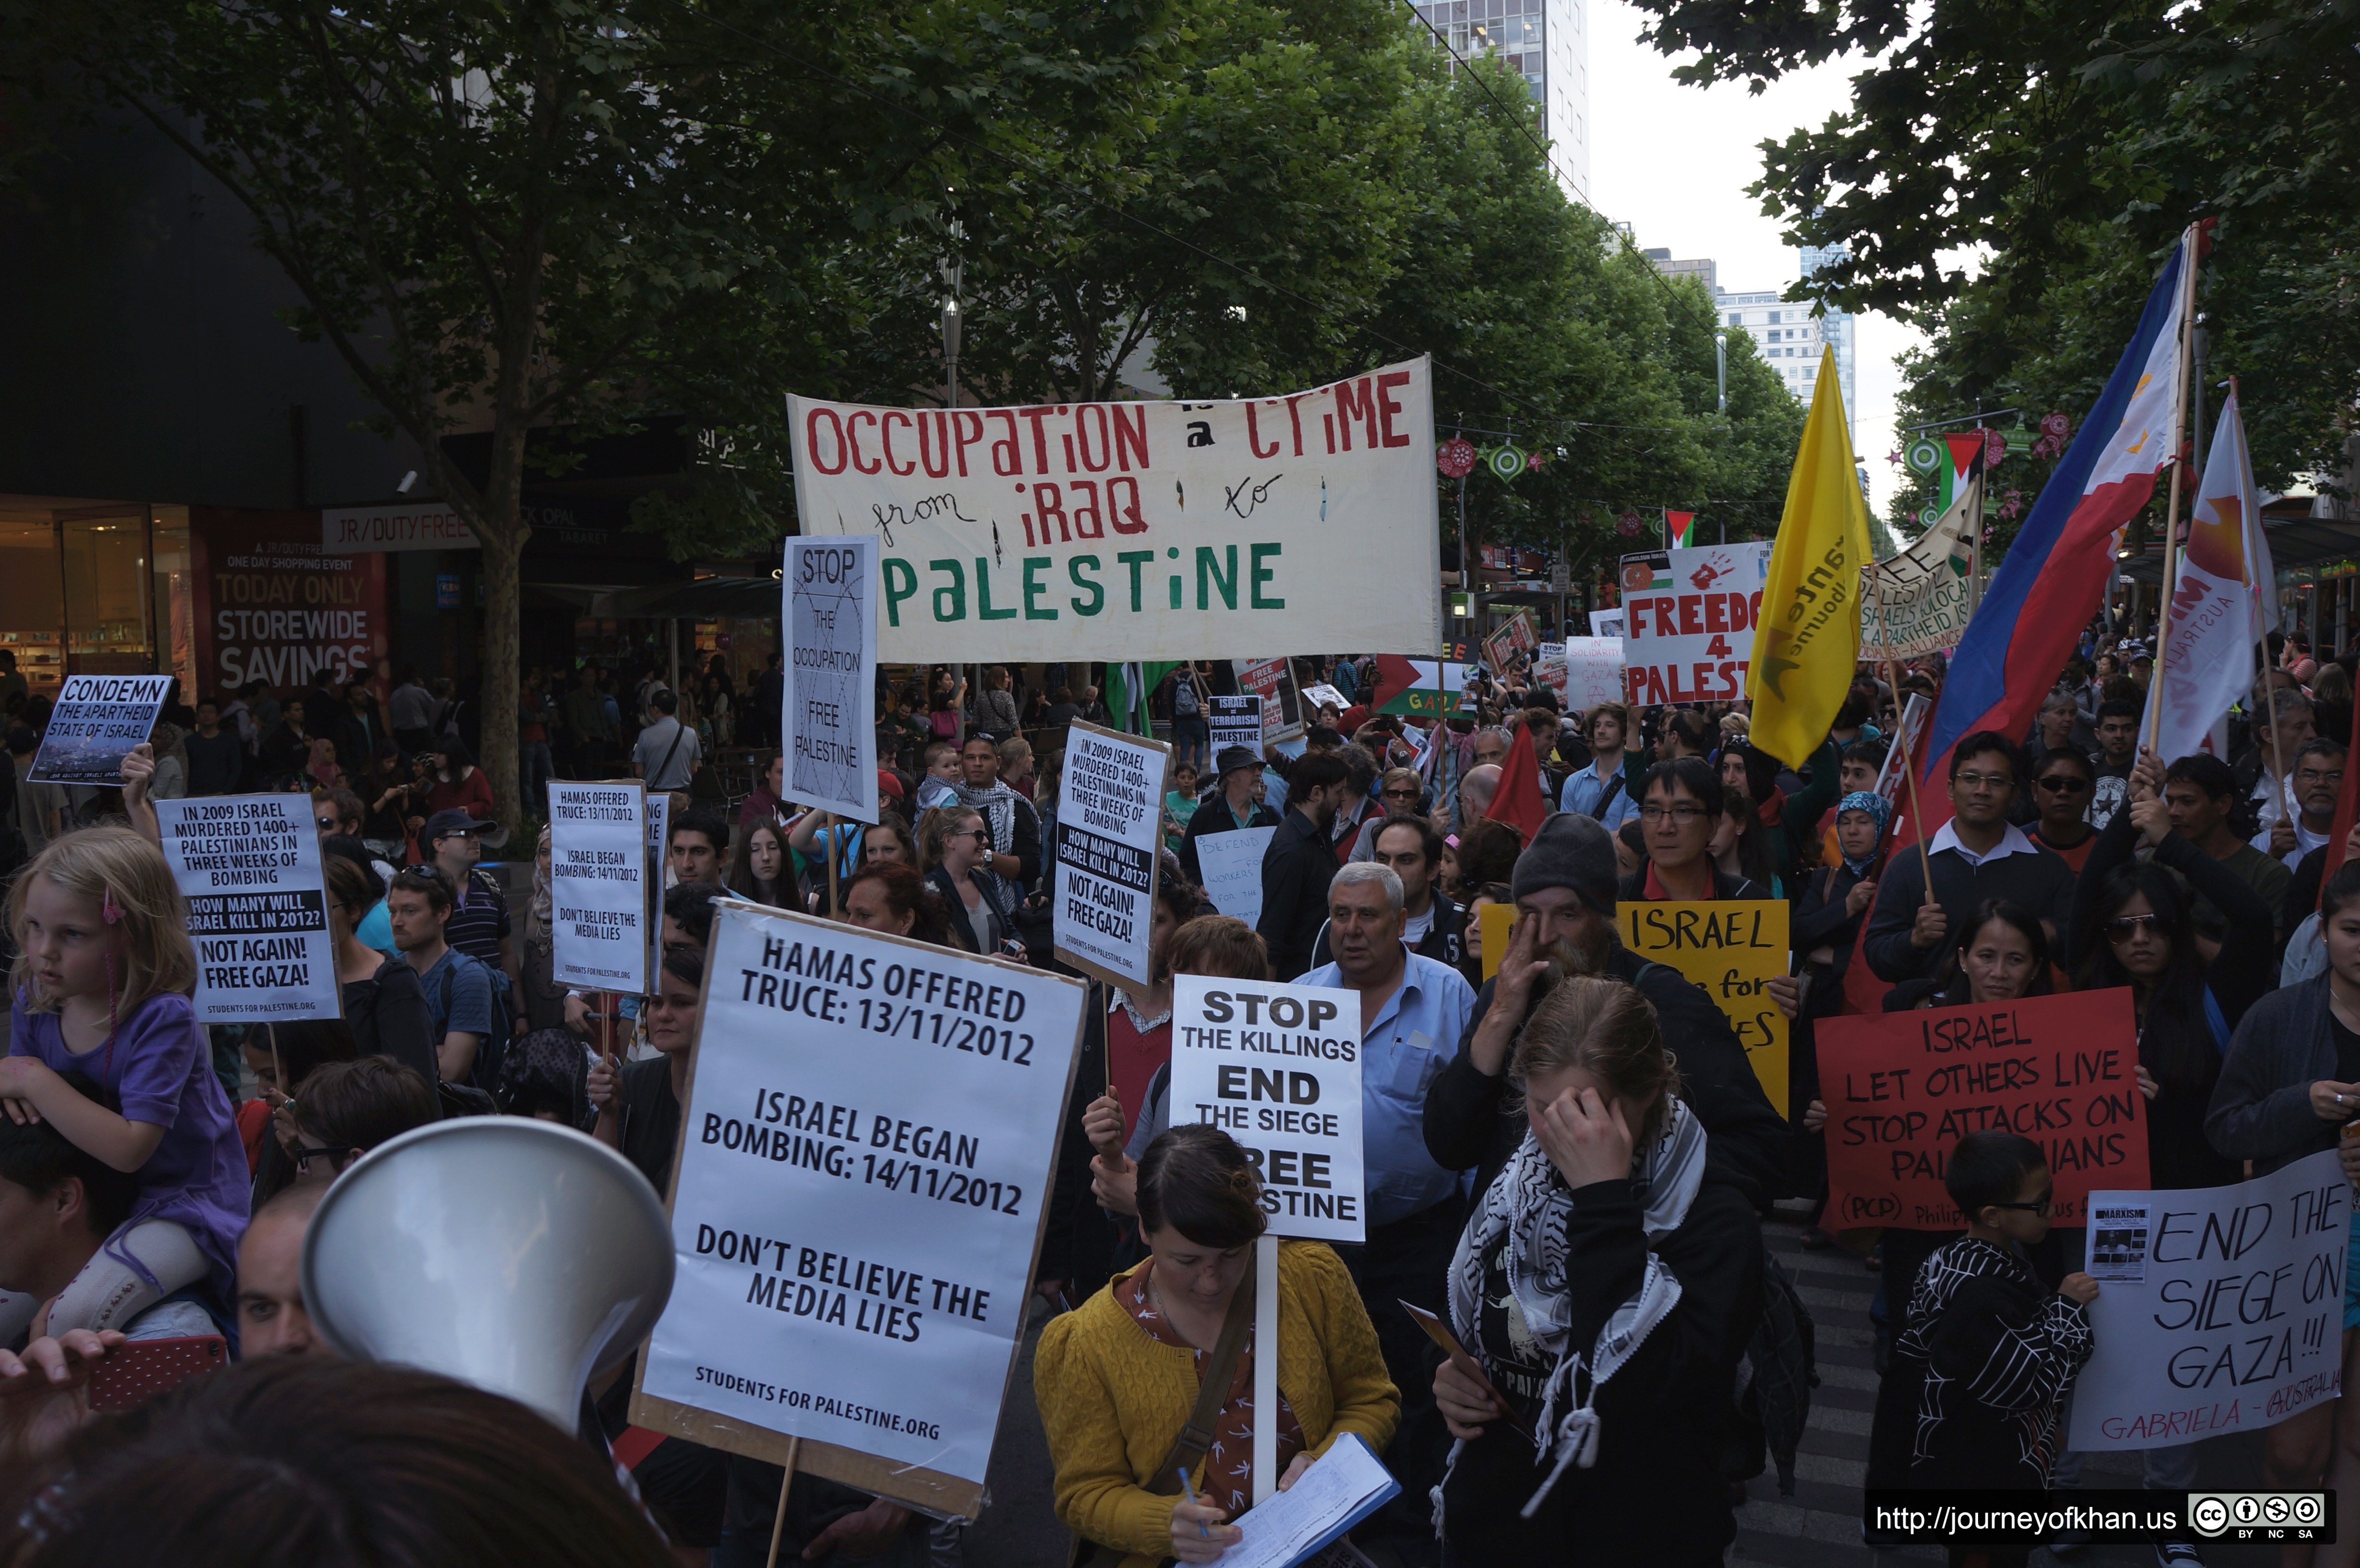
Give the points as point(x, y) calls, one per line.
point(1518, 802)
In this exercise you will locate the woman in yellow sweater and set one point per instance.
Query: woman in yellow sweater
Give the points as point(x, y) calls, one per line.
point(1117, 1379)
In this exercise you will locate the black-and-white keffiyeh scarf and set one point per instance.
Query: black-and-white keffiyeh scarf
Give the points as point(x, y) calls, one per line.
point(1528, 1205)
point(998, 805)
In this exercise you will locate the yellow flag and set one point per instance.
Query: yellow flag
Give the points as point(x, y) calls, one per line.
point(1806, 641)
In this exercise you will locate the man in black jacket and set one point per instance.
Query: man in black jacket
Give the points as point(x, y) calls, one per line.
point(1565, 891)
point(1300, 863)
point(1230, 807)
point(1977, 855)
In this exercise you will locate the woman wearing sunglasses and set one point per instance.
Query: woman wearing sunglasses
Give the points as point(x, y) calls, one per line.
point(2064, 784)
point(958, 855)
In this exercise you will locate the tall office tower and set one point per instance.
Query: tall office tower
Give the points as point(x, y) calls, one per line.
point(1546, 42)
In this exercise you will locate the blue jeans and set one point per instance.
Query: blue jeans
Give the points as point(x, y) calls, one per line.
point(1192, 739)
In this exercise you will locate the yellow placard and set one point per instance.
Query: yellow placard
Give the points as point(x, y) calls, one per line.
point(1732, 948)
point(1494, 923)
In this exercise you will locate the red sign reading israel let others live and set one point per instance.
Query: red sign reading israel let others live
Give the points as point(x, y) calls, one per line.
point(1902, 1088)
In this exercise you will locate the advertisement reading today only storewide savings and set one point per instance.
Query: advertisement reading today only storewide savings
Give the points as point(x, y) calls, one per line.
point(1261, 525)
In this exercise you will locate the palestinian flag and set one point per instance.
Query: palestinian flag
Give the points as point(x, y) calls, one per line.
point(1679, 529)
point(1426, 688)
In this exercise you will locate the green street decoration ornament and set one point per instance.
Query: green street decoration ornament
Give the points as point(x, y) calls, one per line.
point(1506, 460)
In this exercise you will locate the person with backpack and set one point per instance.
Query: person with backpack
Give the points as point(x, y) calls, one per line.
point(470, 1022)
point(479, 925)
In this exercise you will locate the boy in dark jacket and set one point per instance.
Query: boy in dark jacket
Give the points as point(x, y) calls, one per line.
point(1981, 1370)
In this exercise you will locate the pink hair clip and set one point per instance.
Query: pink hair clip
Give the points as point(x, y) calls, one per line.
point(108, 909)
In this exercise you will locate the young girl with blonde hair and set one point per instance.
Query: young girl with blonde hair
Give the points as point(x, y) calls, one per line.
point(103, 979)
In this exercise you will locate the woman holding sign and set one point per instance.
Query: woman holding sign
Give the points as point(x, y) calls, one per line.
point(1608, 1282)
point(1125, 1379)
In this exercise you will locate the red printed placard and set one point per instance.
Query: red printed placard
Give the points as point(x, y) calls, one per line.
point(1902, 1089)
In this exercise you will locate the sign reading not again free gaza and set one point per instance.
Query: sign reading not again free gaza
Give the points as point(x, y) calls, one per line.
point(1138, 530)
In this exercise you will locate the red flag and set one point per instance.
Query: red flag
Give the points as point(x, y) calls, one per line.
point(1518, 801)
point(2347, 806)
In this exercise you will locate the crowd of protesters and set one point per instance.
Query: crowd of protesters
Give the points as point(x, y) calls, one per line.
point(1569, 1158)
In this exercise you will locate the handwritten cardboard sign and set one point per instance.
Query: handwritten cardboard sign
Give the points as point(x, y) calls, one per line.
point(1903, 1088)
point(1732, 948)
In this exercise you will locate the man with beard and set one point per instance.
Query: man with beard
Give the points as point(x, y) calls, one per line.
point(1015, 828)
point(1565, 889)
point(1298, 864)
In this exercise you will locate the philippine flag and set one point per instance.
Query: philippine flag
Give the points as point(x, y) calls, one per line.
point(2057, 569)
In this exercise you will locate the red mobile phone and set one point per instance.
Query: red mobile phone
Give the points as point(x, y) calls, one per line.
point(134, 1374)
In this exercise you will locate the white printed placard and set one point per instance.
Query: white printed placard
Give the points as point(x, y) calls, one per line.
point(2219, 1309)
point(97, 720)
point(1593, 672)
point(1278, 1068)
point(829, 714)
point(1235, 721)
point(250, 867)
point(1688, 627)
point(1231, 864)
point(1110, 819)
point(865, 1165)
point(599, 885)
point(659, 851)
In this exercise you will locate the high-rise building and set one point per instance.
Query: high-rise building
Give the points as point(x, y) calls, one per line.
point(1546, 42)
point(1790, 337)
point(1701, 269)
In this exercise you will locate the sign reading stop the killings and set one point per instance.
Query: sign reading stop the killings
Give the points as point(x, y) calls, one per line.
point(1902, 1089)
point(1688, 622)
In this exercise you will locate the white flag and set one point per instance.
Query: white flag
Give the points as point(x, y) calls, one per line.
point(2224, 600)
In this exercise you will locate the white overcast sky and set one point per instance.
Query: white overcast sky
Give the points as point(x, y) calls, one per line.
point(1673, 162)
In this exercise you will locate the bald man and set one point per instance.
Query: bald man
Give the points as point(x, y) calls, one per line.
point(271, 1318)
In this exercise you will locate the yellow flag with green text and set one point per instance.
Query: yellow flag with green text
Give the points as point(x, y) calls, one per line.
point(1806, 641)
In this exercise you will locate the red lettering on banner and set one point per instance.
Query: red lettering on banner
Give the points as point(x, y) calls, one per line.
point(1903, 1088)
point(1716, 613)
point(886, 440)
point(1294, 417)
point(1049, 504)
point(811, 439)
point(1126, 520)
point(1753, 609)
point(1130, 435)
point(852, 441)
point(1387, 408)
point(1351, 406)
point(1008, 452)
point(1087, 525)
point(1254, 436)
point(966, 430)
point(1040, 438)
point(1106, 437)
point(935, 445)
point(1663, 608)
point(1691, 622)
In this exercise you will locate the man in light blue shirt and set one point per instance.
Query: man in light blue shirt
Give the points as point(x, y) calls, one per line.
point(1412, 1011)
point(1601, 789)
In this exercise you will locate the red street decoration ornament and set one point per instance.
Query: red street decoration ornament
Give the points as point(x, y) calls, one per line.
point(1994, 447)
point(1532, 460)
point(1628, 525)
point(2054, 429)
point(1456, 457)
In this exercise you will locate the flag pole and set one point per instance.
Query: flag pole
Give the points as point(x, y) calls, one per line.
point(1901, 736)
point(2171, 502)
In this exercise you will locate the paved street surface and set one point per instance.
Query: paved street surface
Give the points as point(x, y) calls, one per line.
point(1819, 1527)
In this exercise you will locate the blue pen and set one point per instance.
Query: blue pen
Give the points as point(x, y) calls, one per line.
point(1202, 1533)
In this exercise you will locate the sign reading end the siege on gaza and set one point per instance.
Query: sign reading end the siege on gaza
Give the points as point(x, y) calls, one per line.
point(1258, 526)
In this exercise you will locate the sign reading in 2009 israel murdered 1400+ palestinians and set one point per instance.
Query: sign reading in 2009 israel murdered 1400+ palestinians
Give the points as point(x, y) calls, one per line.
point(1109, 814)
point(864, 1174)
point(250, 867)
point(599, 885)
point(1121, 531)
point(1278, 1068)
point(829, 713)
point(97, 720)
point(1688, 622)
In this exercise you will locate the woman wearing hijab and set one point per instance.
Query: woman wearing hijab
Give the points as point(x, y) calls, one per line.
point(1608, 1282)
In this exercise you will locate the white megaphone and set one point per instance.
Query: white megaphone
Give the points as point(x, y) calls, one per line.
point(515, 1255)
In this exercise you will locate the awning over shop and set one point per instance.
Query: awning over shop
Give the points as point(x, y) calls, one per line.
point(707, 598)
point(2297, 544)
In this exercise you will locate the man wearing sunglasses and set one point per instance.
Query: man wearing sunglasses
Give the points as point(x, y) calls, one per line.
point(1977, 855)
point(2062, 784)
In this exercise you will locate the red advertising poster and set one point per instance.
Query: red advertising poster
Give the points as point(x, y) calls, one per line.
point(1902, 1089)
point(273, 606)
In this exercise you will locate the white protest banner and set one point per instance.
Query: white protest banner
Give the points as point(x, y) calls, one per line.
point(1235, 721)
point(866, 1155)
point(1606, 623)
point(1124, 531)
point(599, 885)
point(1231, 862)
point(2219, 1309)
point(1321, 694)
point(1273, 680)
point(1593, 672)
point(97, 721)
point(250, 867)
point(1278, 1068)
point(1687, 629)
point(1918, 602)
point(830, 625)
point(1110, 812)
point(659, 852)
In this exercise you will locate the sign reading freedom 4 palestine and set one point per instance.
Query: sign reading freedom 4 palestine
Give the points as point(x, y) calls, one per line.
point(864, 1162)
point(250, 866)
point(1109, 814)
point(599, 885)
point(1126, 532)
point(1688, 626)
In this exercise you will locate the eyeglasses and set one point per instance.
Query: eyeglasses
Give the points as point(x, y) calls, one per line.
point(326, 824)
point(2314, 776)
point(1682, 813)
point(1984, 781)
point(2040, 1205)
point(303, 1157)
point(981, 835)
point(2060, 784)
point(2122, 928)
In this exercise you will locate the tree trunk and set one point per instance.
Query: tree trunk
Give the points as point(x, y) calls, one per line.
point(503, 552)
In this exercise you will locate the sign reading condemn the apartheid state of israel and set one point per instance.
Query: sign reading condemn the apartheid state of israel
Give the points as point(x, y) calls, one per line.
point(2219, 1309)
point(1733, 949)
point(1278, 1068)
point(97, 720)
point(250, 867)
point(865, 1161)
point(1110, 825)
point(1902, 1088)
point(599, 885)
point(1688, 622)
point(829, 710)
point(1121, 531)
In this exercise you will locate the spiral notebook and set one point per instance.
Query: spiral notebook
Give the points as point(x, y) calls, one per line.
point(1295, 1526)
